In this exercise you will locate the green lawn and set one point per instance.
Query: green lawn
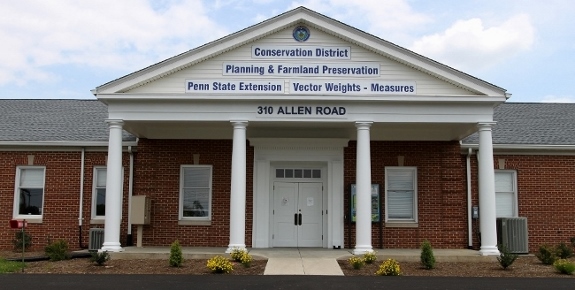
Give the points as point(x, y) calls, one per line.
point(9, 266)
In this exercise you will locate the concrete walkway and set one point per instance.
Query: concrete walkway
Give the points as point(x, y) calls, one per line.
point(303, 261)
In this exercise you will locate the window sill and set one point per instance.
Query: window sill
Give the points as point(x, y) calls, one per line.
point(401, 225)
point(30, 220)
point(97, 221)
point(194, 223)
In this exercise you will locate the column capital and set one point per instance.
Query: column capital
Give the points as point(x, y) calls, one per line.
point(363, 124)
point(115, 122)
point(239, 123)
point(485, 125)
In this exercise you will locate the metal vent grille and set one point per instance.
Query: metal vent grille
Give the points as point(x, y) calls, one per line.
point(512, 233)
point(96, 239)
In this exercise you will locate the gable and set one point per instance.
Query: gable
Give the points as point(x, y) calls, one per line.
point(395, 62)
point(246, 63)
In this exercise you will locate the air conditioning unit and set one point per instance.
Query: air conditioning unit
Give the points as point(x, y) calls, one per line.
point(96, 239)
point(512, 233)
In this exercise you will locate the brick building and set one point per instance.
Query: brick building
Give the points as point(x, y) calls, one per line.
point(299, 131)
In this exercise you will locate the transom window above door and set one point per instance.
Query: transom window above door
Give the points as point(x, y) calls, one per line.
point(298, 173)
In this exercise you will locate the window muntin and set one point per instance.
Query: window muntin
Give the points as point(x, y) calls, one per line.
point(99, 193)
point(29, 191)
point(195, 192)
point(298, 173)
point(505, 193)
point(400, 194)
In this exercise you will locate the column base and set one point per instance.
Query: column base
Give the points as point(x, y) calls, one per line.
point(232, 247)
point(360, 250)
point(111, 247)
point(489, 251)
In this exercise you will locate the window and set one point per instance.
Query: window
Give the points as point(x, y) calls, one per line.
point(195, 192)
point(400, 194)
point(298, 173)
point(99, 193)
point(505, 193)
point(29, 192)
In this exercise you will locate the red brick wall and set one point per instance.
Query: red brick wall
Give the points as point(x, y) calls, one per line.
point(61, 196)
point(440, 191)
point(158, 175)
point(546, 196)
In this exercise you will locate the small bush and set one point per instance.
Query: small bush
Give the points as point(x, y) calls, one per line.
point(370, 257)
point(57, 251)
point(242, 256)
point(219, 264)
point(176, 257)
point(100, 258)
point(356, 262)
point(246, 259)
point(389, 267)
point(546, 255)
point(22, 239)
point(564, 266)
point(506, 258)
point(563, 251)
point(572, 242)
point(427, 258)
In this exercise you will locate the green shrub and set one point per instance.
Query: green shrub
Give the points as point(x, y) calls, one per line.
point(546, 255)
point(356, 262)
point(219, 264)
point(389, 267)
point(427, 258)
point(246, 259)
point(100, 258)
point(370, 257)
point(572, 242)
point(176, 257)
point(506, 258)
point(57, 251)
point(242, 256)
point(564, 266)
point(22, 239)
point(563, 251)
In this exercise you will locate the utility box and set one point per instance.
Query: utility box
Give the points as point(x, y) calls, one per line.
point(141, 209)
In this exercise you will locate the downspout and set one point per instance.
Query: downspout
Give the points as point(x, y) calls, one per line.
point(129, 239)
point(469, 220)
point(81, 211)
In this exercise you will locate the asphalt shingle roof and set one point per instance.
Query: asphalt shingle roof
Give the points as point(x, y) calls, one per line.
point(532, 124)
point(55, 120)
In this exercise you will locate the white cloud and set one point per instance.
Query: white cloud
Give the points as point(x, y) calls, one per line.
point(123, 35)
point(558, 99)
point(467, 44)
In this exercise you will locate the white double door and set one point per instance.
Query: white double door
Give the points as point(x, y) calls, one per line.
point(297, 214)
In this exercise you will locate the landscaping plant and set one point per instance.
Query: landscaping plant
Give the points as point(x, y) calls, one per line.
point(22, 239)
point(506, 258)
point(564, 266)
point(176, 257)
point(100, 258)
point(242, 256)
point(370, 257)
point(546, 255)
point(219, 264)
point(356, 262)
point(57, 251)
point(563, 251)
point(389, 267)
point(427, 258)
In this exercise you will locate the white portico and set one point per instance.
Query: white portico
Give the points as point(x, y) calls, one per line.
point(299, 88)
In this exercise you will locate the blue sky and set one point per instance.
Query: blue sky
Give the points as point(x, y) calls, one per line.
point(63, 49)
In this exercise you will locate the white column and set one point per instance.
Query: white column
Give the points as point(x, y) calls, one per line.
point(363, 190)
point(238, 190)
point(113, 189)
point(487, 215)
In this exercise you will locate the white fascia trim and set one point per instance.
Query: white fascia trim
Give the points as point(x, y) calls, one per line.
point(287, 97)
point(525, 149)
point(56, 145)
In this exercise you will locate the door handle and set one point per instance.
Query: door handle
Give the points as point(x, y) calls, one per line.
point(295, 219)
point(300, 219)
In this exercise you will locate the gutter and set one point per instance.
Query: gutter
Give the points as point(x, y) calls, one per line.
point(469, 220)
point(81, 212)
point(130, 193)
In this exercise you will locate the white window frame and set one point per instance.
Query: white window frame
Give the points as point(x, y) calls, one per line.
point(16, 210)
point(413, 170)
point(181, 201)
point(514, 206)
point(94, 192)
